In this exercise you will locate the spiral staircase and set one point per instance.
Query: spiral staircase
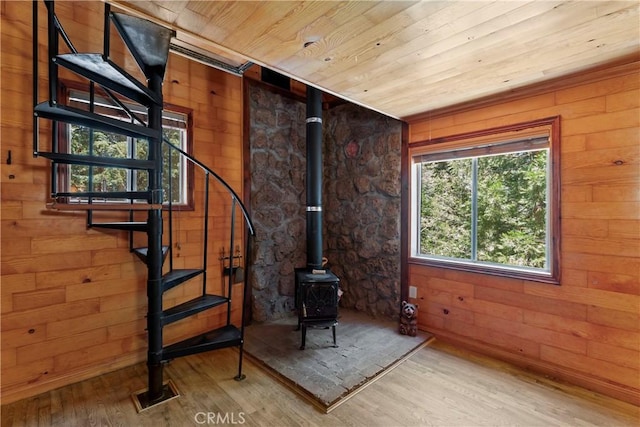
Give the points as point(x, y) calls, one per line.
point(148, 44)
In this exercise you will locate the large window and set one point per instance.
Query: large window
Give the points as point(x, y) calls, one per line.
point(488, 201)
point(81, 140)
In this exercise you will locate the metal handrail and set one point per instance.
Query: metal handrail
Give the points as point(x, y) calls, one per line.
point(219, 179)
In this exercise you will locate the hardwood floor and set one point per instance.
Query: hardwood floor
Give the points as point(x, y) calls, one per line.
point(437, 386)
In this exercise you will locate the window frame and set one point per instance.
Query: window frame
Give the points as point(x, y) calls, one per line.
point(65, 90)
point(496, 135)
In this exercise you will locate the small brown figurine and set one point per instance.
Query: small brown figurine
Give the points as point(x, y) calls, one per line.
point(409, 319)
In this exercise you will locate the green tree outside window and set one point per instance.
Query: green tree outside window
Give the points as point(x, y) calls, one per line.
point(489, 209)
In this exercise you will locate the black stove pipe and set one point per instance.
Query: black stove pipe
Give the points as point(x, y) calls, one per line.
point(314, 178)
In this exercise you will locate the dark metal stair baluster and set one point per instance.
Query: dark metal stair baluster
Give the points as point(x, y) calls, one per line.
point(245, 292)
point(53, 47)
point(36, 77)
point(53, 51)
point(206, 235)
point(231, 259)
point(90, 182)
point(170, 213)
point(106, 39)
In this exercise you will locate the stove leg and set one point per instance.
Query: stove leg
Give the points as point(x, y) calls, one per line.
point(335, 345)
point(304, 336)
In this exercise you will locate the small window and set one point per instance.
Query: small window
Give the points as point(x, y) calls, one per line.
point(81, 140)
point(488, 202)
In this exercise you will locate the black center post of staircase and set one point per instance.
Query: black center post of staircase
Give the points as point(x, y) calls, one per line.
point(154, 254)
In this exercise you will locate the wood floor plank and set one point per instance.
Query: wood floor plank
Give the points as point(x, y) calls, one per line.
point(438, 385)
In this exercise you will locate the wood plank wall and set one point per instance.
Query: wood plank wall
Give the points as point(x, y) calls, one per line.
point(73, 299)
point(587, 329)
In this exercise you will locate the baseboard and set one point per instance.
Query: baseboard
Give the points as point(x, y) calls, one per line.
point(552, 372)
point(23, 391)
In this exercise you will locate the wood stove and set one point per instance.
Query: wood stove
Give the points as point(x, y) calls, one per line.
point(317, 301)
point(316, 289)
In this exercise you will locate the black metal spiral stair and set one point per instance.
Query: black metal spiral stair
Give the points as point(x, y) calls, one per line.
point(148, 43)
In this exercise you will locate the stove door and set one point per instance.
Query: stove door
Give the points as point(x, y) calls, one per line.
point(319, 300)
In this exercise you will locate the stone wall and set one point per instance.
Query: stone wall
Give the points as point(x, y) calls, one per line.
point(361, 203)
point(362, 163)
point(278, 199)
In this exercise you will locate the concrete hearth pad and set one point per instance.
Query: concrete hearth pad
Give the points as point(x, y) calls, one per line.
point(327, 376)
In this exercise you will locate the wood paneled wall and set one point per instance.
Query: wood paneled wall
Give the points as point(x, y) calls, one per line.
point(587, 329)
point(74, 299)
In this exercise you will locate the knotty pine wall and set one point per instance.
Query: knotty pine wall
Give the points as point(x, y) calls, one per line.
point(74, 299)
point(587, 329)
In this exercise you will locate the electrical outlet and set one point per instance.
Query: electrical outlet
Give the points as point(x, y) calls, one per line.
point(413, 292)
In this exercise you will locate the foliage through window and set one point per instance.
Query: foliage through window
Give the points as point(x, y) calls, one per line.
point(488, 203)
point(81, 140)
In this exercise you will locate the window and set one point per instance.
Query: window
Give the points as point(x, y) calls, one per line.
point(488, 201)
point(77, 140)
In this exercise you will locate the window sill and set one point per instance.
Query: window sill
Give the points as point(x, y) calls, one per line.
point(512, 273)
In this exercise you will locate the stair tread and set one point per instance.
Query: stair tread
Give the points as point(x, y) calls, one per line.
point(122, 225)
point(142, 253)
point(178, 276)
point(122, 222)
point(144, 250)
point(131, 195)
point(194, 306)
point(147, 41)
point(226, 336)
point(79, 159)
point(107, 74)
point(76, 116)
point(102, 206)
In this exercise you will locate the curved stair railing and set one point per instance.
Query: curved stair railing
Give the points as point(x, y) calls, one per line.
point(148, 43)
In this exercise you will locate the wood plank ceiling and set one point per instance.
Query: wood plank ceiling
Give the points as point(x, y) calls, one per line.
point(403, 58)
